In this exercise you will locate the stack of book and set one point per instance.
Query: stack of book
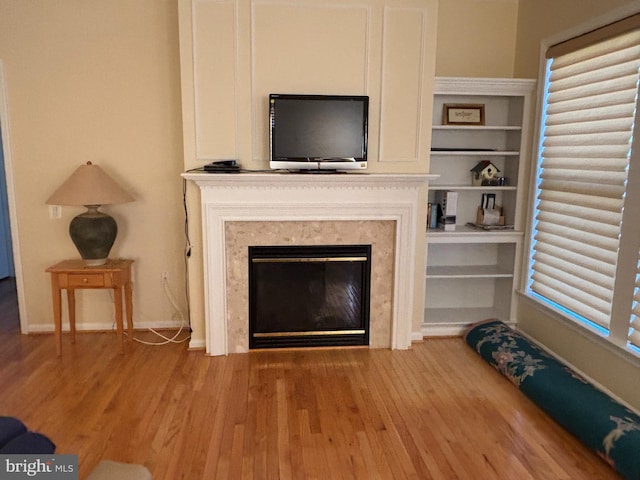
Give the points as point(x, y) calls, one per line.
point(442, 213)
point(449, 204)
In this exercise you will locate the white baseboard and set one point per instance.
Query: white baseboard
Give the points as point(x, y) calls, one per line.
point(448, 329)
point(443, 329)
point(103, 327)
point(197, 344)
point(416, 337)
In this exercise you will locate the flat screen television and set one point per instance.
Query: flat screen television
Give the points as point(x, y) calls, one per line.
point(318, 132)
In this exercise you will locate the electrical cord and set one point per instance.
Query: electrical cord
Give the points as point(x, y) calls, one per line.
point(187, 254)
point(165, 284)
point(187, 250)
point(167, 340)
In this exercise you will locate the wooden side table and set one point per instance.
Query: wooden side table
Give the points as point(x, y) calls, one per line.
point(73, 274)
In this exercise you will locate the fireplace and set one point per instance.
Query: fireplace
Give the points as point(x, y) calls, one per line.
point(309, 295)
point(386, 210)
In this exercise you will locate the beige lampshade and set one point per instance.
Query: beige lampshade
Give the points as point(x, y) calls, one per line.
point(89, 185)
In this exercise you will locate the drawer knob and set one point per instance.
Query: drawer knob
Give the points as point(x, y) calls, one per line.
point(85, 280)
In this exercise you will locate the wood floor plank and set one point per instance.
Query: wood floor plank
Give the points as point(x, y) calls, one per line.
point(434, 412)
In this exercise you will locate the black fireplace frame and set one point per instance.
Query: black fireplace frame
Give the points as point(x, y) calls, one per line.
point(317, 338)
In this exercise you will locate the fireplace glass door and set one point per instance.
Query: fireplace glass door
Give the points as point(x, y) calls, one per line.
point(309, 295)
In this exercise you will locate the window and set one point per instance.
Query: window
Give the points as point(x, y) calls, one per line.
point(585, 241)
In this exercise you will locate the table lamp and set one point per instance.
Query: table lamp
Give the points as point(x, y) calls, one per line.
point(92, 232)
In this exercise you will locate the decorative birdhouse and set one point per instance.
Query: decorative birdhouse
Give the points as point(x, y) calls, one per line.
point(484, 173)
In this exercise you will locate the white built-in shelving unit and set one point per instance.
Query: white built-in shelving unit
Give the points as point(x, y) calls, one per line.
point(471, 273)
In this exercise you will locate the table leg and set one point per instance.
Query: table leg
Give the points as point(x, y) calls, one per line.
point(128, 298)
point(117, 298)
point(71, 303)
point(57, 312)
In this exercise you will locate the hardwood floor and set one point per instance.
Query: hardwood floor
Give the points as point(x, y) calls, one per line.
point(436, 411)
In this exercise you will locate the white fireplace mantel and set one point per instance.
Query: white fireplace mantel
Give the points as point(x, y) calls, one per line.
point(280, 197)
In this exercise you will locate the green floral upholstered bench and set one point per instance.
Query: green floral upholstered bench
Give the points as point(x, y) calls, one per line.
point(600, 422)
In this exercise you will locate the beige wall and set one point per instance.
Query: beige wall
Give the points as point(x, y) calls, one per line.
point(476, 38)
point(96, 80)
point(540, 20)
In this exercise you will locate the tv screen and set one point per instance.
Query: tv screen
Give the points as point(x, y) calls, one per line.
point(318, 131)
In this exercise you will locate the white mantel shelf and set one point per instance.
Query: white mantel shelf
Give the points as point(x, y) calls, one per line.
point(272, 196)
point(307, 180)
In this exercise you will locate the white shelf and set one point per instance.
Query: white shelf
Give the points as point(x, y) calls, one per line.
point(478, 127)
point(465, 234)
point(474, 153)
point(464, 316)
point(483, 188)
point(471, 271)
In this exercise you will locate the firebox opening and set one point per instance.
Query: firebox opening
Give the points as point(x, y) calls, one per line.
point(301, 296)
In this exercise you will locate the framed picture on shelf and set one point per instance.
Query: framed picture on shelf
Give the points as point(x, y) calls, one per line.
point(463, 114)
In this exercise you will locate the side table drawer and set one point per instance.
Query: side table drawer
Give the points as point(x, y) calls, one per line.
point(85, 280)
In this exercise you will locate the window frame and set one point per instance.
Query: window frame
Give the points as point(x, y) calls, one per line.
point(617, 336)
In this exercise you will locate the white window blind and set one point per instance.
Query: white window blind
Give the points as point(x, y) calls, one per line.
point(634, 330)
point(587, 132)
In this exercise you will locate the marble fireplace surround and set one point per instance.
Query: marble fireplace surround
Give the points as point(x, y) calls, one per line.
point(245, 209)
